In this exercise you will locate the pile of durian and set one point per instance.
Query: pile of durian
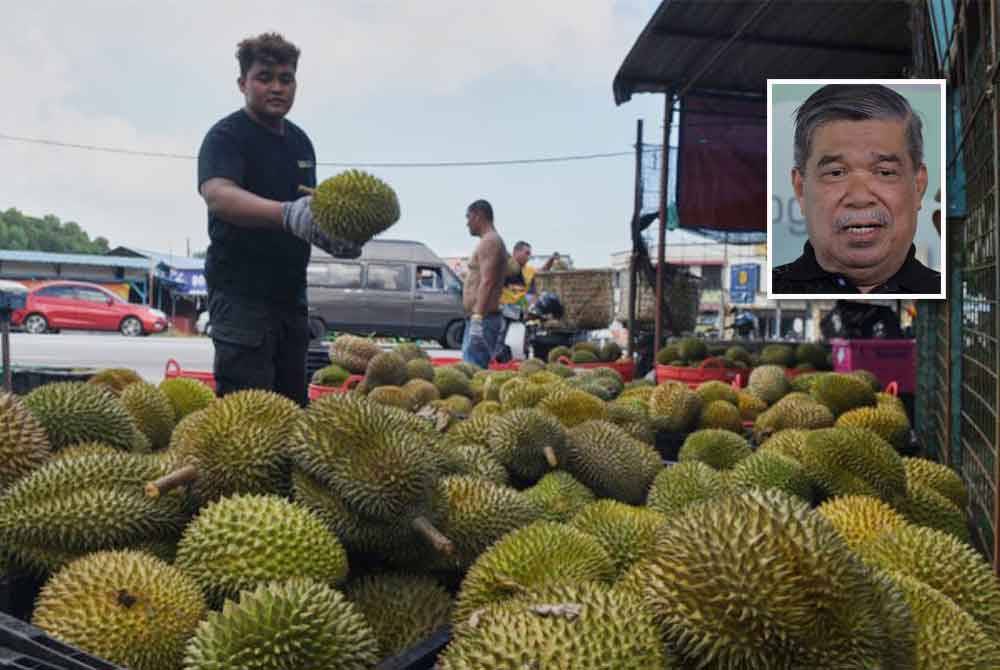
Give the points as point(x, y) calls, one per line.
point(806, 357)
point(529, 510)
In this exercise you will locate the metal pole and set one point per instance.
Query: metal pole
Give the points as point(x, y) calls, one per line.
point(636, 213)
point(8, 381)
point(668, 110)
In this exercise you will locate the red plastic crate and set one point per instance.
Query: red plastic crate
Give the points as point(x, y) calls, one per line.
point(445, 360)
point(317, 391)
point(889, 360)
point(711, 369)
point(174, 369)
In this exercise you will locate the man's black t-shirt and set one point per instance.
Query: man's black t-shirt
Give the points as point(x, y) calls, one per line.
point(806, 275)
point(267, 265)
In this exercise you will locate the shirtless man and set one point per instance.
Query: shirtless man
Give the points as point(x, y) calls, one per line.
point(481, 294)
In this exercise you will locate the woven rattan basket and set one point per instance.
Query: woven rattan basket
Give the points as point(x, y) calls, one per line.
point(681, 298)
point(587, 296)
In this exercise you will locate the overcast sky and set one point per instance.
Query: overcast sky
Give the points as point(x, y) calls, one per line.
point(379, 80)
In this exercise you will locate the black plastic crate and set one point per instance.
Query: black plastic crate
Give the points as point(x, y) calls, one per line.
point(24, 646)
point(421, 656)
point(317, 358)
point(18, 594)
point(26, 379)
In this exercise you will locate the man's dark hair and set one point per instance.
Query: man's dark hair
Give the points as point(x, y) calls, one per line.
point(521, 245)
point(855, 102)
point(484, 208)
point(270, 48)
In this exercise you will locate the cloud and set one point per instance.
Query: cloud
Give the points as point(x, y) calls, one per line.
point(152, 76)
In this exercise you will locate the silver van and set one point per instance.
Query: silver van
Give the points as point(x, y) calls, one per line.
point(396, 288)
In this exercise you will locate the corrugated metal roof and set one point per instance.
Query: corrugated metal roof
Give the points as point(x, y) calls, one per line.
point(73, 259)
point(787, 39)
point(170, 260)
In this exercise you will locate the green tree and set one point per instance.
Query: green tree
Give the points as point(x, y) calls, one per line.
point(26, 233)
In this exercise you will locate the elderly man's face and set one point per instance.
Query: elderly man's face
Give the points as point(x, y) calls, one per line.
point(860, 195)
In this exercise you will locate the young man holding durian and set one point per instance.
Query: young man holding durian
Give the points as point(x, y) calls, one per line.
point(250, 167)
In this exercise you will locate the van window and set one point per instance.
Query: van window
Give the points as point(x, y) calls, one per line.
point(385, 277)
point(451, 281)
point(429, 278)
point(334, 275)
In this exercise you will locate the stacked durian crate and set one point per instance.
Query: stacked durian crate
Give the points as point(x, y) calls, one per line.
point(491, 519)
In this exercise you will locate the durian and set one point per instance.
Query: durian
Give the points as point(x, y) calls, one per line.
point(526, 441)
point(151, 410)
point(127, 607)
point(943, 563)
point(529, 558)
point(244, 541)
point(860, 519)
point(24, 445)
point(73, 412)
point(354, 206)
point(584, 626)
point(627, 533)
point(186, 395)
point(609, 461)
point(402, 609)
point(559, 496)
point(684, 484)
point(721, 449)
point(297, 623)
point(735, 584)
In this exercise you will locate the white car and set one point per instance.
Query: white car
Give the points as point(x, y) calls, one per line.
point(202, 325)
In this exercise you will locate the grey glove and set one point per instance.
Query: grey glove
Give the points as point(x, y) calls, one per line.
point(297, 219)
point(476, 333)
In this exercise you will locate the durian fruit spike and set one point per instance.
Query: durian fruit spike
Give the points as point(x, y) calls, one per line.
point(71, 507)
point(354, 206)
point(73, 412)
point(24, 445)
point(297, 623)
point(381, 461)
point(125, 606)
point(238, 444)
point(735, 581)
point(241, 542)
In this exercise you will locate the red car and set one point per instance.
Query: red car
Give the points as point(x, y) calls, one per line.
point(77, 305)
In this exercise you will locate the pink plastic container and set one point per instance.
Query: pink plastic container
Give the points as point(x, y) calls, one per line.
point(889, 360)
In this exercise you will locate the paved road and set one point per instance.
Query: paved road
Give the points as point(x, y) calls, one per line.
point(146, 355)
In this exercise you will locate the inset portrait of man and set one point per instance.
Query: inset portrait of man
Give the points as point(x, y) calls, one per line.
point(859, 179)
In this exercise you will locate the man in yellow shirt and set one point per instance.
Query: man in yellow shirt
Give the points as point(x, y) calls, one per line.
point(519, 282)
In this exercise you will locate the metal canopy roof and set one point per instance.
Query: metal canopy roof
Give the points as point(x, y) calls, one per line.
point(776, 39)
point(74, 259)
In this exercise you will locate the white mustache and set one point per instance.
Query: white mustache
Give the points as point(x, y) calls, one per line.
point(879, 216)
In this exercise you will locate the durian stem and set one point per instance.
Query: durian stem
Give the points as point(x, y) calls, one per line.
point(550, 456)
point(437, 539)
point(186, 475)
point(307, 190)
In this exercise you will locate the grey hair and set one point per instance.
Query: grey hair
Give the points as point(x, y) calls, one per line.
point(855, 102)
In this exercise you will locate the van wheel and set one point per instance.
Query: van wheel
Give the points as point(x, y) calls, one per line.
point(453, 335)
point(317, 328)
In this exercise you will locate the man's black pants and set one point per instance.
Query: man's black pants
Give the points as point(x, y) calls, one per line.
point(259, 345)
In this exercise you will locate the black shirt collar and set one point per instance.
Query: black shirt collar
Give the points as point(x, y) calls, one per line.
point(910, 278)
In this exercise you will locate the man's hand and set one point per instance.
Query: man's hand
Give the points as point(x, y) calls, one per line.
point(297, 219)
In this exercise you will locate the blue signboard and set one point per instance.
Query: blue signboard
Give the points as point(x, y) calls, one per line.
point(190, 282)
point(743, 282)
